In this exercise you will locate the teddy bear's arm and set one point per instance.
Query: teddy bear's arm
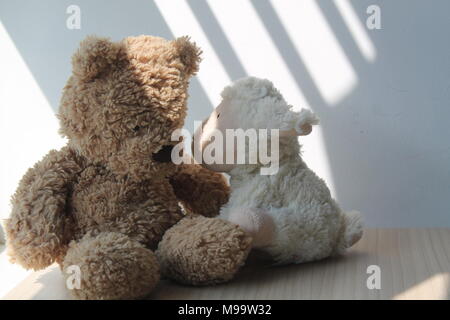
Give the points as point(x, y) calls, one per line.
point(39, 228)
point(200, 190)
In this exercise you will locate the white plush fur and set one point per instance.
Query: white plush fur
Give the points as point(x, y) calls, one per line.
point(309, 225)
point(2, 235)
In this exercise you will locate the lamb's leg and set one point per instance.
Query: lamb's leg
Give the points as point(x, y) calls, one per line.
point(352, 230)
point(293, 237)
point(256, 222)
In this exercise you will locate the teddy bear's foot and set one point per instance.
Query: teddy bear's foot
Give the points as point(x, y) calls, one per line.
point(111, 266)
point(201, 251)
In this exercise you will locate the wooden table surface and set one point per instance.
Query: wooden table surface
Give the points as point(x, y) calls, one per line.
point(413, 264)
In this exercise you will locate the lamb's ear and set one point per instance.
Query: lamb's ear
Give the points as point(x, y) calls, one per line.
point(304, 120)
point(94, 55)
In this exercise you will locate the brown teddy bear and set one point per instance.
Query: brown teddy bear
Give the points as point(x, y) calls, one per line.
point(104, 202)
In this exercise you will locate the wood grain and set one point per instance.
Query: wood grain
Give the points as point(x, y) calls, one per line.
point(414, 264)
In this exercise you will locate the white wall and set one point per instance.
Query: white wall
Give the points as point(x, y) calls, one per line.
point(382, 95)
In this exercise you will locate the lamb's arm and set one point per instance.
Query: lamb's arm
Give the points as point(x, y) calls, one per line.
point(39, 228)
point(200, 190)
point(256, 222)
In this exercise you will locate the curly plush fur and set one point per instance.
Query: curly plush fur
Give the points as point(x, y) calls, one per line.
point(210, 261)
point(292, 207)
point(104, 201)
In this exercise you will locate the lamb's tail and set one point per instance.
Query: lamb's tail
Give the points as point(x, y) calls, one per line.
point(352, 229)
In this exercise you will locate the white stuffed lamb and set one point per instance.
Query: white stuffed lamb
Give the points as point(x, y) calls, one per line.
point(290, 214)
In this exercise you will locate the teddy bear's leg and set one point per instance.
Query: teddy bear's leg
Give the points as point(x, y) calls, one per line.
point(111, 266)
point(200, 250)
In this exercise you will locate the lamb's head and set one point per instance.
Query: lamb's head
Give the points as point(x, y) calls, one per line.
point(250, 107)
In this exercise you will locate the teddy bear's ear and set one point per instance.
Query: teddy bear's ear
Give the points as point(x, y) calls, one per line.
point(94, 55)
point(302, 124)
point(189, 54)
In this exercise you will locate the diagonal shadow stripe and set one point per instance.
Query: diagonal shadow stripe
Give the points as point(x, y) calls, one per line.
point(286, 48)
point(348, 44)
point(218, 39)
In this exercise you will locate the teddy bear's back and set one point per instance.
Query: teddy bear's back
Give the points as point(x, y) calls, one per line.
point(102, 201)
